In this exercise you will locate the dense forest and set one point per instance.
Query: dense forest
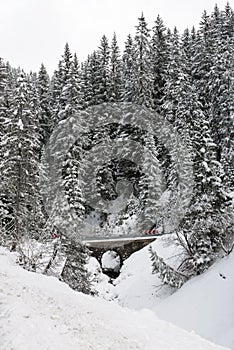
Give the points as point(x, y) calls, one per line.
point(186, 79)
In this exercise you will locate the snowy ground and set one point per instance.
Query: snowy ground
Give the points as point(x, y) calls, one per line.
point(136, 287)
point(41, 313)
point(205, 304)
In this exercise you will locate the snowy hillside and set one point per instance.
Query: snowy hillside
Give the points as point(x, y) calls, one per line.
point(135, 287)
point(41, 313)
point(203, 305)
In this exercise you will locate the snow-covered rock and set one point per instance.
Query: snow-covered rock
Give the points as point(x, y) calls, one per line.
point(111, 261)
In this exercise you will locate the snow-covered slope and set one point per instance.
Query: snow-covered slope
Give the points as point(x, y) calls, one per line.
point(205, 304)
point(136, 287)
point(41, 313)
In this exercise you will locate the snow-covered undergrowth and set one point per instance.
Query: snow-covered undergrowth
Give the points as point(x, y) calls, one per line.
point(204, 305)
point(41, 313)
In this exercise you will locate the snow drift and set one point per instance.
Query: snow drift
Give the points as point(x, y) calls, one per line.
point(39, 312)
point(204, 304)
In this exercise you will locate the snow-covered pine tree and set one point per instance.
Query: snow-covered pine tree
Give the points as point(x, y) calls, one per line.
point(74, 271)
point(150, 186)
point(44, 97)
point(166, 273)
point(128, 77)
point(169, 105)
point(65, 86)
point(159, 61)
point(72, 163)
point(172, 73)
point(202, 62)
point(206, 230)
point(72, 180)
point(102, 74)
point(20, 164)
point(67, 97)
point(142, 69)
point(5, 209)
point(221, 82)
point(95, 83)
point(68, 212)
point(115, 72)
point(76, 83)
point(56, 90)
point(188, 46)
point(87, 82)
point(178, 173)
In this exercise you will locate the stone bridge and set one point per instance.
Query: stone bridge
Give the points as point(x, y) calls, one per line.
point(124, 247)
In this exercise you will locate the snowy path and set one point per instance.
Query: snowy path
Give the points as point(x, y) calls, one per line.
point(41, 313)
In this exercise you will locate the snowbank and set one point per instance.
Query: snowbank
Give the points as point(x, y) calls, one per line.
point(136, 287)
point(204, 305)
point(41, 313)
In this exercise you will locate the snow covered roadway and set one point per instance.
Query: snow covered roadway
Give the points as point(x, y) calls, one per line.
point(41, 313)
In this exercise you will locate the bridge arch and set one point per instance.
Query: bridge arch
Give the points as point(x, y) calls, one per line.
point(124, 247)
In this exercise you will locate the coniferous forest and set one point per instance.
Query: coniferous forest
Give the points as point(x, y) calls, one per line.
point(186, 78)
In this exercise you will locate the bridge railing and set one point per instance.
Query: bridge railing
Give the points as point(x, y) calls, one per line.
point(144, 235)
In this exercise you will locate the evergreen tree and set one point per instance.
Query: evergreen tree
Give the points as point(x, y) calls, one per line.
point(159, 62)
point(5, 209)
point(66, 99)
point(56, 90)
point(115, 72)
point(102, 72)
point(206, 228)
point(44, 97)
point(74, 272)
point(221, 81)
point(150, 186)
point(170, 100)
point(202, 62)
point(143, 79)
point(65, 87)
point(20, 164)
point(166, 273)
point(87, 81)
point(128, 71)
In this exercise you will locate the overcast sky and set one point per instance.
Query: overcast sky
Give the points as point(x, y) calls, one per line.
point(35, 31)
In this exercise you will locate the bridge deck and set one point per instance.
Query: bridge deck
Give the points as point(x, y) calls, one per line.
point(118, 239)
point(112, 243)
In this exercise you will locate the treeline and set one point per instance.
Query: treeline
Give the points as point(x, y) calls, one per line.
point(188, 79)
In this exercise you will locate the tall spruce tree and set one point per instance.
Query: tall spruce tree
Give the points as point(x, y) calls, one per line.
point(128, 70)
point(221, 82)
point(115, 72)
point(142, 73)
point(170, 100)
point(5, 208)
point(150, 185)
point(159, 61)
point(44, 97)
point(102, 83)
point(20, 164)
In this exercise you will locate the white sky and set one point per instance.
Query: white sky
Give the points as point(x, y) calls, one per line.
point(35, 31)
